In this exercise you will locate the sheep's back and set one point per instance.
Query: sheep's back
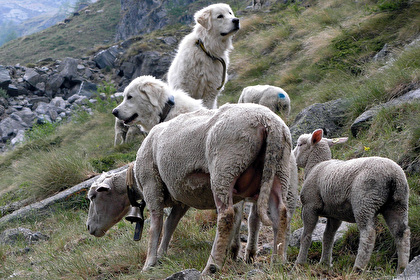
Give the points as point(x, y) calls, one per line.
point(340, 185)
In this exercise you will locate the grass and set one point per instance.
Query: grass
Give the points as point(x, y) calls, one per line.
point(317, 53)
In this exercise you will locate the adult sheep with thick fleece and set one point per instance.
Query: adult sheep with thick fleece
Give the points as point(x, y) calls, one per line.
point(275, 98)
point(211, 159)
point(354, 191)
point(200, 65)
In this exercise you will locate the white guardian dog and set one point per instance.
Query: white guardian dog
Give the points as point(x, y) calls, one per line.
point(200, 65)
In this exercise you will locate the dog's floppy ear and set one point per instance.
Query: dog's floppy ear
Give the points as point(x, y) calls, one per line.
point(203, 17)
point(152, 92)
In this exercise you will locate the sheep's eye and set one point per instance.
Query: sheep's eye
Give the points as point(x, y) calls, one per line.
point(129, 97)
point(220, 16)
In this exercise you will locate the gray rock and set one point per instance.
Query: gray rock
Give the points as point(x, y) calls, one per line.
point(151, 63)
point(32, 77)
point(9, 127)
point(68, 69)
point(364, 120)
point(106, 58)
point(318, 233)
point(330, 116)
point(412, 271)
point(19, 138)
point(26, 116)
point(5, 79)
point(188, 274)
point(11, 236)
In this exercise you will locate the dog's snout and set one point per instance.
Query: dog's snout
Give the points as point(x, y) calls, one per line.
point(115, 112)
point(235, 21)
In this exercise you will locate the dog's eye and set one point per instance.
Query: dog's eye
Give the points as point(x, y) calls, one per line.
point(129, 97)
point(220, 16)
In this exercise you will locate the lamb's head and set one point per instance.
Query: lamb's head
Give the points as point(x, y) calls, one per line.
point(312, 149)
point(109, 202)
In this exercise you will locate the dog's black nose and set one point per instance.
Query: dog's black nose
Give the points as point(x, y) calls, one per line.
point(235, 21)
point(115, 112)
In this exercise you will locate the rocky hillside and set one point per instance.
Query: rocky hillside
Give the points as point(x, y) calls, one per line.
point(349, 67)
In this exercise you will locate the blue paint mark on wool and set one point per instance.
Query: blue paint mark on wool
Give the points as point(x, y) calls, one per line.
point(281, 95)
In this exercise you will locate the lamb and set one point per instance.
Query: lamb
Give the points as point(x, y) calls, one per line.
point(240, 151)
point(354, 191)
point(275, 98)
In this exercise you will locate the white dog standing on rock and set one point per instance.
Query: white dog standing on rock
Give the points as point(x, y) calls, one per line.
point(200, 65)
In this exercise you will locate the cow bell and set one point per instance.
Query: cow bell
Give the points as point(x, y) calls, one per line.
point(134, 215)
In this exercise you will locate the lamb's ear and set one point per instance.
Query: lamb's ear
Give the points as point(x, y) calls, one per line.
point(317, 136)
point(332, 142)
point(203, 17)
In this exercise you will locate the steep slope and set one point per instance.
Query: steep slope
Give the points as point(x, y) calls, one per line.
point(94, 27)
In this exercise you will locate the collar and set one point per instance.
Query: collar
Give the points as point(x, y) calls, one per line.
point(200, 44)
point(168, 106)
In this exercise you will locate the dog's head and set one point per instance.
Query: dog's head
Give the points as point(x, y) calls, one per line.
point(143, 100)
point(218, 19)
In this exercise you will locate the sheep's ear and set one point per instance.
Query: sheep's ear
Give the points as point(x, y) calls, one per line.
point(317, 136)
point(103, 188)
point(203, 17)
point(334, 141)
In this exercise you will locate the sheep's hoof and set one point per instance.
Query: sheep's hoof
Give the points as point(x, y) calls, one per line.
point(213, 268)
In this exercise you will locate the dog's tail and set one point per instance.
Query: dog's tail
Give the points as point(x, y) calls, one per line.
point(276, 163)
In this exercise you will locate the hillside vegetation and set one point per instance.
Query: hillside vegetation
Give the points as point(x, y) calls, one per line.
point(317, 51)
point(93, 28)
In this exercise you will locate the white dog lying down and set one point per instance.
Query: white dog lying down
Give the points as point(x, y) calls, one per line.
point(275, 98)
point(200, 65)
point(211, 159)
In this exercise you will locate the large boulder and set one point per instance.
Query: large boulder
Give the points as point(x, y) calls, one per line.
point(107, 58)
point(330, 116)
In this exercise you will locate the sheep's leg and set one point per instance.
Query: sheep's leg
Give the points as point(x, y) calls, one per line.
point(225, 220)
point(253, 230)
point(235, 244)
point(366, 244)
point(156, 222)
point(328, 240)
point(397, 221)
point(310, 219)
point(278, 215)
point(177, 212)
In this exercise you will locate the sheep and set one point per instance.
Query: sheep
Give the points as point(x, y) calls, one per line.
point(153, 89)
point(275, 98)
point(354, 191)
point(240, 151)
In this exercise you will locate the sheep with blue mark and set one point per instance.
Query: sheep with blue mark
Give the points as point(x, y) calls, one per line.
point(354, 191)
point(275, 98)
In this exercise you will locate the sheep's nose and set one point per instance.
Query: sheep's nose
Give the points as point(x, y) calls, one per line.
point(115, 112)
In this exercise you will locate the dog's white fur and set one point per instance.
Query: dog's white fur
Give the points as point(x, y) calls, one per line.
point(146, 96)
point(194, 71)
